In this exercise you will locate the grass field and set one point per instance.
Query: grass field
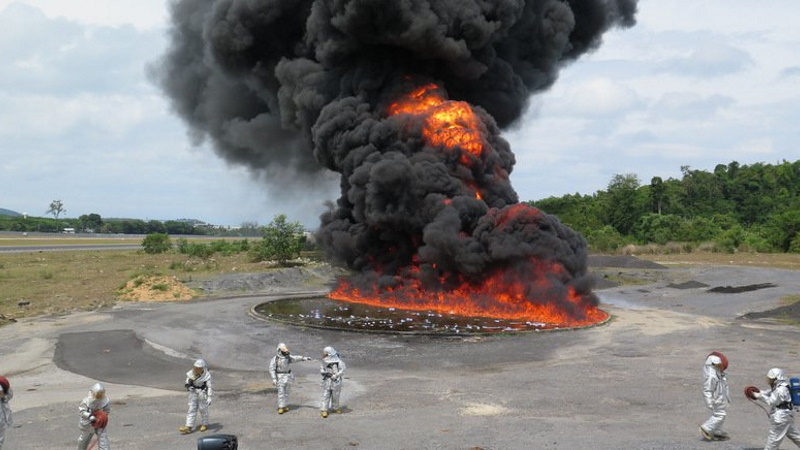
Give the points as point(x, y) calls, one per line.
point(57, 282)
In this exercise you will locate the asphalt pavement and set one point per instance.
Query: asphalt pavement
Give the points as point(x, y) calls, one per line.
point(634, 383)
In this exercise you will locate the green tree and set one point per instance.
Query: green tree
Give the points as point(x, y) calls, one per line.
point(657, 193)
point(156, 243)
point(56, 209)
point(282, 241)
point(156, 226)
point(623, 203)
point(90, 222)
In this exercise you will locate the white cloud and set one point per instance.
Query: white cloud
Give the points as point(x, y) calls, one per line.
point(596, 97)
point(140, 13)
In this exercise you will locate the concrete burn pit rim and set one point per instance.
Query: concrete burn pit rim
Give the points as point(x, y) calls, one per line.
point(326, 313)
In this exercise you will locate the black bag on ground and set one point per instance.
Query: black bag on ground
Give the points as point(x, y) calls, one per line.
point(217, 442)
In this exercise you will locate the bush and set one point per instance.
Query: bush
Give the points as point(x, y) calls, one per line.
point(730, 240)
point(754, 241)
point(605, 239)
point(156, 243)
point(282, 241)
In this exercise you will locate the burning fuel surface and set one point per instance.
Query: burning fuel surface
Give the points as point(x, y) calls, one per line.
point(406, 102)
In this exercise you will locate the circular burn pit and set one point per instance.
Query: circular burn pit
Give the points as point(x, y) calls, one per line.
point(323, 312)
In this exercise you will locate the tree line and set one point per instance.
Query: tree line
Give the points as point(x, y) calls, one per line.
point(94, 223)
point(734, 208)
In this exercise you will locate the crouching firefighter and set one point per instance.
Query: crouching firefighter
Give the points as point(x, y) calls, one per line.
point(201, 388)
point(717, 396)
point(94, 410)
point(781, 414)
point(281, 374)
point(332, 370)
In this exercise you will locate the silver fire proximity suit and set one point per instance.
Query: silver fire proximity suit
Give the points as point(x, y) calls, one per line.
point(200, 385)
point(96, 400)
point(715, 391)
point(332, 370)
point(281, 373)
point(781, 414)
point(5, 413)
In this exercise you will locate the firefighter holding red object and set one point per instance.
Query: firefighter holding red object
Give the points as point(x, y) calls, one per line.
point(5, 411)
point(94, 411)
point(715, 391)
point(781, 415)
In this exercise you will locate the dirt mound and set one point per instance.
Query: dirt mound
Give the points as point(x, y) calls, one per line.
point(627, 262)
point(271, 280)
point(740, 289)
point(155, 289)
point(787, 313)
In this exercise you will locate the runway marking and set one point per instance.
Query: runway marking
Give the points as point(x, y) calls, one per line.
point(167, 350)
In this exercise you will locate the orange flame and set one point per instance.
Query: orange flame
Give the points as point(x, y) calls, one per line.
point(503, 294)
point(447, 123)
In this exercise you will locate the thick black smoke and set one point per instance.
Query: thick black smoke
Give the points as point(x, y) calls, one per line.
point(291, 88)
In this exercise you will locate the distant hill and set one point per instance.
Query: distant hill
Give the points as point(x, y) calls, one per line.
point(8, 212)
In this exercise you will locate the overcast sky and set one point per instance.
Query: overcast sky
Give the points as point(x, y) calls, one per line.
point(695, 83)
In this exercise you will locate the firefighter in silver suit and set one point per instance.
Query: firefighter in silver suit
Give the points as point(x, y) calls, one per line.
point(332, 370)
point(6, 421)
point(96, 400)
point(200, 385)
point(716, 393)
point(281, 373)
point(781, 414)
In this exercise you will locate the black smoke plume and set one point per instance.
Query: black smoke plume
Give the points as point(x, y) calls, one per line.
point(296, 88)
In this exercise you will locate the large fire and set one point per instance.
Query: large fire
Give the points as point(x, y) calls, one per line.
point(504, 294)
point(533, 290)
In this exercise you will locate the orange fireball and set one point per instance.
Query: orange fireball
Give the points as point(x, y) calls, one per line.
point(448, 124)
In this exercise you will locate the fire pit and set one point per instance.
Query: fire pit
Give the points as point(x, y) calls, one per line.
point(322, 312)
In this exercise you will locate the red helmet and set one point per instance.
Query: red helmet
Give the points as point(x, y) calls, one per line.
point(100, 419)
point(5, 383)
point(723, 359)
point(749, 391)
